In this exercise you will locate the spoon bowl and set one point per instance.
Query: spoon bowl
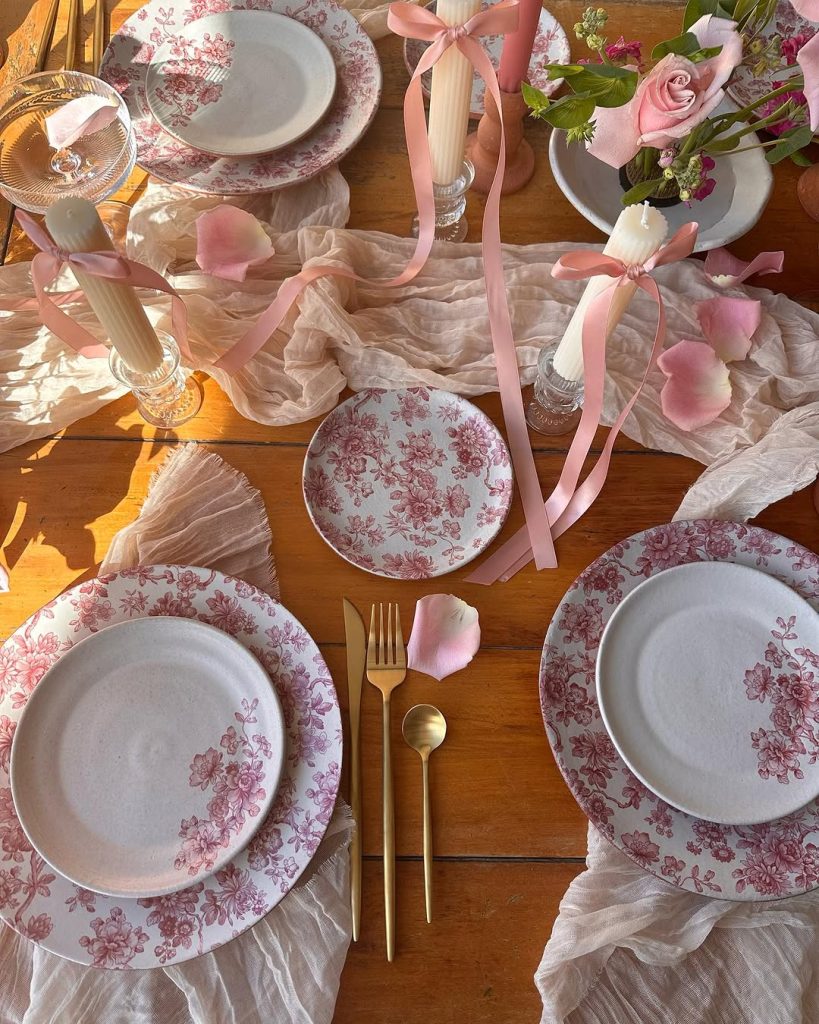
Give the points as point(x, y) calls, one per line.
point(424, 729)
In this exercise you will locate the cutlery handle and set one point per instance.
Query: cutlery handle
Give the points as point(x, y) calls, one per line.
point(355, 843)
point(427, 842)
point(389, 836)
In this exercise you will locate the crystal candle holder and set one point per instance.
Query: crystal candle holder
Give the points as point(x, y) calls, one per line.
point(556, 404)
point(166, 397)
point(450, 207)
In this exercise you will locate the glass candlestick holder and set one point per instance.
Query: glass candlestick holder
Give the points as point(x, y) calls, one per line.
point(450, 207)
point(166, 397)
point(556, 404)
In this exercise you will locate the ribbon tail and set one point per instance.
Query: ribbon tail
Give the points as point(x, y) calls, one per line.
point(44, 270)
point(503, 342)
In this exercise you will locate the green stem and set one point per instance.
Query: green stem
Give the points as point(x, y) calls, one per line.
point(792, 85)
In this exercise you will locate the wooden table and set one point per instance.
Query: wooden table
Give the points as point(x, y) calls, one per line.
point(509, 836)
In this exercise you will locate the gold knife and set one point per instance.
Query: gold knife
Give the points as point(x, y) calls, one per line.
point(356, 660)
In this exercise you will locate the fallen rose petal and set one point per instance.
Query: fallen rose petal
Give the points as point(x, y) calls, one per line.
point(698, 388)
point(727, 271)
point(4, 581)
point(729, 324)
point(78, 118)
point(445, 635)
point(229, 240)
point(808, 61)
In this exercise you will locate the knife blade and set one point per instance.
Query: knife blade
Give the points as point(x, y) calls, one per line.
point(356, 661)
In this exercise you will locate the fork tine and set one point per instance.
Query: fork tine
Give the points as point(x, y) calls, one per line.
point(372, 650)
point(400, 653)
point(390, 648)
point(381, 652)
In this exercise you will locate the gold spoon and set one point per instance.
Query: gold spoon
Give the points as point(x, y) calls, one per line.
point(424, 730)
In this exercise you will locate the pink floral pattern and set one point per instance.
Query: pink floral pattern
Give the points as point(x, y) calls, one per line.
point(190, 78)
point(551, 47)
point(130, 933)
point(128, 57)
point(758, 862)
point(786, 679)
point(410, 484)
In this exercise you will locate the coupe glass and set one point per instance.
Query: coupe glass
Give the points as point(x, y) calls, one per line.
point(33, 175)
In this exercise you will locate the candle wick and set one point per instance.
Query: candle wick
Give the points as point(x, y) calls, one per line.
point(644, 218)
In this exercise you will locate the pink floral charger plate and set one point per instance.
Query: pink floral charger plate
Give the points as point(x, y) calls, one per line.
point(794, 31)
point(551, 47)
point(754, 862)
point(407, 484)
point(159, 23)
point(120, 933)
point(147, 756)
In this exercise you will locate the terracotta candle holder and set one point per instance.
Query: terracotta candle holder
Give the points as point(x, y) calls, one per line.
point(483, 146)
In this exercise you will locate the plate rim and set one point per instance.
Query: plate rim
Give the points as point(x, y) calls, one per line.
point(499, 524)
point(689, 568)
point(152, 75)
point(232, 851)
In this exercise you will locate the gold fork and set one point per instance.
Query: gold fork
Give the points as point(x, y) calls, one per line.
point(386, 669)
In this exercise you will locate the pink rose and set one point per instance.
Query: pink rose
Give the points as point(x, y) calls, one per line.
point(671, 100)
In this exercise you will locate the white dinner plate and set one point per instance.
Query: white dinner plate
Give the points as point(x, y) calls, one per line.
point(706, 683)
point(241, 83)
point(148, 756)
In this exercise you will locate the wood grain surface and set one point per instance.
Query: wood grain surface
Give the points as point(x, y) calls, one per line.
point(508, 835)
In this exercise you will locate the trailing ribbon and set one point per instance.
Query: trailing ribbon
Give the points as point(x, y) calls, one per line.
point(419, 23)
point(107, 264)
point(568, 502)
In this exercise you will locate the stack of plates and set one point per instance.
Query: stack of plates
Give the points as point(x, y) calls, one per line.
point(170, 744)
point(680, 690)
point(228, 100)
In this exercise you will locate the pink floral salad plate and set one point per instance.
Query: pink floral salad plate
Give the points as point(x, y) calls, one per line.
point(225, 766)
point(551, 47)
point(203, 85)
point(702, 671)
point(120, 769)
point(408, 484)
point(762, 861)
point(169, 26)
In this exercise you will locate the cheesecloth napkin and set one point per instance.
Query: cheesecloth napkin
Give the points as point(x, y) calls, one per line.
point(287, 967)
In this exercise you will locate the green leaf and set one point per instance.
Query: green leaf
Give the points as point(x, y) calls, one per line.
point(642, 190)
point(801, 160)
point(610, 86)
point(789, 143)
point(695, 9)
point(554, 71)
point(684, 45)
point(534, 98)
point(569, 112)
point(725, 144)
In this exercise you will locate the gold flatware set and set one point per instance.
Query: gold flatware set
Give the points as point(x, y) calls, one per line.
point(384, 659)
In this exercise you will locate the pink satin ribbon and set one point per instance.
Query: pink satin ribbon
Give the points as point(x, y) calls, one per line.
point(107, 264)
point(568, 502)
point(414, 22)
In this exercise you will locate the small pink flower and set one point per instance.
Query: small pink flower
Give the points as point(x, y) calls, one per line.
point(758, 682)
point(115, 941)
point(205, 768)
point(672, 867)
point(640, 847)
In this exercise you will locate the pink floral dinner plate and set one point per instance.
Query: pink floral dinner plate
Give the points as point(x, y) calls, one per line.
point(122, 933)
point(551, 47)
point(751, 82)
point(199, 82)
point(409, 484)
point(120, 769)
point(164, 22)
point(689, 691)
point(741, 862)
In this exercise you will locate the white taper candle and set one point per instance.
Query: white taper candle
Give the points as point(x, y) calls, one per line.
point(637, 235)
point(75, 226)
point(449, 98)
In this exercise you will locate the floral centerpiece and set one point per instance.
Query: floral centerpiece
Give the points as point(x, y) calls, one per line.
point(661, 122)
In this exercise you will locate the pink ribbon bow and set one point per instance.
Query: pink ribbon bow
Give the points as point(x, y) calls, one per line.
point(45, 268)
point(568, 502)
point(419, 23)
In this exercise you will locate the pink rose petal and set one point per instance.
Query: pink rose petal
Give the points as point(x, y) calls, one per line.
point(729, 324)
point(698, 388)
point(727, 271)
point(445, 635)
point(78, 118)
point(229, 240)
point(713, 31)
point(808, 60)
